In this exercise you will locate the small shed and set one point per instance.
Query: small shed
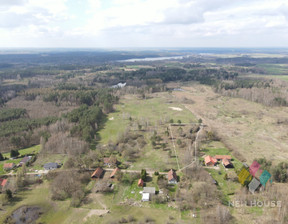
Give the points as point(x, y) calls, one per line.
point(227, 164)
point(140, 183)
point(253, 185)
point(172, 177)
point(145, 197)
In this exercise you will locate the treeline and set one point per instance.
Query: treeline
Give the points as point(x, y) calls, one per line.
point(87, 119)
point(12, 127)
point(166, 74)
point(100, 97)
point(8, 92)
point(8, 114)
point(266, 92)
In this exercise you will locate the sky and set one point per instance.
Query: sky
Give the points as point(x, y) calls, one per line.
point(143, 23)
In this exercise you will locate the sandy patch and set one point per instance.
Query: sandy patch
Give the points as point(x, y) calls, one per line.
point(97, 212)
point(176, 108)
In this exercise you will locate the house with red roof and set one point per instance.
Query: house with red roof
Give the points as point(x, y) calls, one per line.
point(3, 183)
point(140, 183)
point(114, 172)
point(8, 166)
point(210, 161)
point(172, 177)
point(227, 163)
point(97, 173)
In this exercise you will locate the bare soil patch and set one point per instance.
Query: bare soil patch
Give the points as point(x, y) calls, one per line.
point(249, 128)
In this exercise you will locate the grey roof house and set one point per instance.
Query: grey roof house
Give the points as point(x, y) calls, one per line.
point(50, 166)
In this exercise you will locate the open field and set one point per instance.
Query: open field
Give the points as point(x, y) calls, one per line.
point(249, 128)
point(153, 110)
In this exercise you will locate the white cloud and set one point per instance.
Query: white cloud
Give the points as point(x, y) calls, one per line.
point(144, 22)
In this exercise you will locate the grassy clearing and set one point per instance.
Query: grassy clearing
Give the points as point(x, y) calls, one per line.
point(153, 110)
point(141, 214)
point(31, 150)
point(227, 187)
point(274, 69)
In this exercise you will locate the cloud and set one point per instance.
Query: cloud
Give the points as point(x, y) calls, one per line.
point(143, 22)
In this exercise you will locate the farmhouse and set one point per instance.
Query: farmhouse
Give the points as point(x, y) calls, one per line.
point(8, 166)
point(51, 166)
point(112, 161)
point(172, 177)
point(114, 172)
point(97, 173)
point(210, 161)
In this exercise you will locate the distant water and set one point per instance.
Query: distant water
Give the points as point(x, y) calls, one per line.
point(153, 59)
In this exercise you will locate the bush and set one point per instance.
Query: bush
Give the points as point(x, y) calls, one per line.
point(1, 157)
point(280, 173)
point(14, 153)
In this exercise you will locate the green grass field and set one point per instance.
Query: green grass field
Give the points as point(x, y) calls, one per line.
point(31, 150)
point(153, 110)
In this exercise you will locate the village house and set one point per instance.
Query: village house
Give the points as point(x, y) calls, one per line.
point(8, 166)
point(210, 161)
point(97, 173)
point(140, 183)
point(114, 172)
point(111, 161)
point(51, 166)
point(25, 160)
point(172, 177)
point(147, 193)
